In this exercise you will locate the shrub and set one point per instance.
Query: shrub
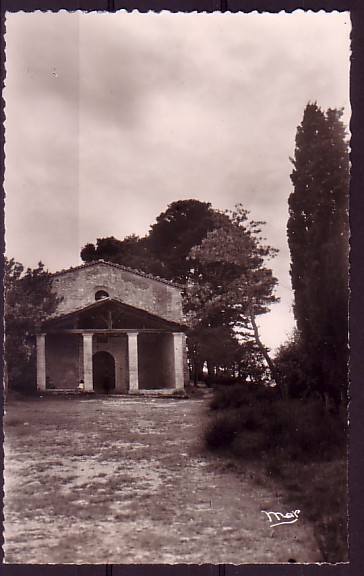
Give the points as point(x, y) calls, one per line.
point(305, 431)
point(296, 429)
point(237, 395)
point(222, 431)
point(227, 397)
point(248, 445)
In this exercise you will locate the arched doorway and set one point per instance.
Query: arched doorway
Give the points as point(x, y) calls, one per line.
point(103, 372)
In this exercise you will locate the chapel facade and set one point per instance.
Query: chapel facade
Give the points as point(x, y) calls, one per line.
point(115, 330)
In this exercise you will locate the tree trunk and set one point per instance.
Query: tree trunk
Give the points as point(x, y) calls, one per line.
point(264, 351)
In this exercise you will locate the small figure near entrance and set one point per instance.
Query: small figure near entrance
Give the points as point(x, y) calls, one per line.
point(81, 386)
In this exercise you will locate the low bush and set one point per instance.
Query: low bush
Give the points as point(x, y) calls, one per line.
point(241, 394)
point(300, 430)
point(248, 446)
point(222, 432)
point(305, 431)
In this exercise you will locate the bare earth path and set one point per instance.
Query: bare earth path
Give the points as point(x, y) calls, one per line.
point(125, 480)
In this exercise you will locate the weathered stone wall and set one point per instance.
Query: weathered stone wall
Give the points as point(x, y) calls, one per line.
point(78, 287)
point(152, 360)
point(63, 362)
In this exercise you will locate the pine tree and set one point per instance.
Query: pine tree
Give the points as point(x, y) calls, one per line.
point(163, 252)
point(318, 232)
point(230, 283)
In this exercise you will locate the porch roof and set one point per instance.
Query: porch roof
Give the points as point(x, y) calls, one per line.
point(110, 304)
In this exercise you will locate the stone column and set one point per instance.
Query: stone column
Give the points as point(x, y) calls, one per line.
point(133, 361)
point(178, 345)
point(87, 361)
point(41, 362)
point(186, 371)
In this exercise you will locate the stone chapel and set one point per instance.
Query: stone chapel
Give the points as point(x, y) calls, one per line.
point(116, 330)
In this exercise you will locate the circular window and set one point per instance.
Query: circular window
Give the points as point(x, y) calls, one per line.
point(101, 294)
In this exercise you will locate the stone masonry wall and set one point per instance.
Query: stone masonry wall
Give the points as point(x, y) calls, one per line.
point(78, 286)
point(63, 369)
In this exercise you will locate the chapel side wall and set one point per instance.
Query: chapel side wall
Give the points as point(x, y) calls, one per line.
point(62, 361)
point(151, 362)
point(77, 289)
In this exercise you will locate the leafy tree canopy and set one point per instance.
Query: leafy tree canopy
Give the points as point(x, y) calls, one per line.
point(230, 284)
point(230, 279)
point(133, 252)
point(163, 252)
point(183, 225)
point(29, 300)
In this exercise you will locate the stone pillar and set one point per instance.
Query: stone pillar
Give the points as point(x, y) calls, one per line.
point(186, 371)
point(87, 361)
point(179, 372)
point(41, 362)
point(133, 361)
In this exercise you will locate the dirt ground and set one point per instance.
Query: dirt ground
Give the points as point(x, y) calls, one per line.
point(126, 480)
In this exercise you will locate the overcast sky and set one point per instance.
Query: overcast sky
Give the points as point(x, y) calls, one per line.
point(111, 117)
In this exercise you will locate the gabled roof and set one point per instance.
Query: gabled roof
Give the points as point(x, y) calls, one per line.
point(101, 303)
point(119, 267)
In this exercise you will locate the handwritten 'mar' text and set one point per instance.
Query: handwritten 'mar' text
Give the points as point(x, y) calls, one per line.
point(278, 518)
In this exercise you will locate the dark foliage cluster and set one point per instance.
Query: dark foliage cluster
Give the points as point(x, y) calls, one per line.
point(252, 420)
point(164, 250)
point(29, 300)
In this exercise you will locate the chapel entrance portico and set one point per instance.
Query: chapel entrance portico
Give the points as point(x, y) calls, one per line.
point(109, 345)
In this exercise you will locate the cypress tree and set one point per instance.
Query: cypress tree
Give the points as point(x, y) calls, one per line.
point(318, 238)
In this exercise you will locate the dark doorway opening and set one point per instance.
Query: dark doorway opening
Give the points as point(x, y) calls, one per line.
point(103, 371)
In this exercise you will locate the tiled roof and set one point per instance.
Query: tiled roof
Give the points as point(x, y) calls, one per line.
point(119, 267)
